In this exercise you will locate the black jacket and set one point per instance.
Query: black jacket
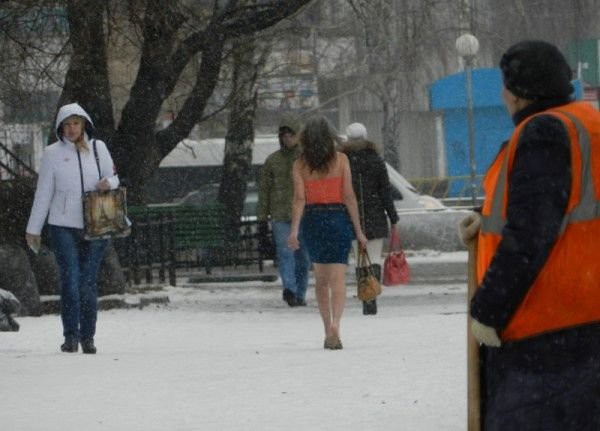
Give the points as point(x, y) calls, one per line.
point(372, 188)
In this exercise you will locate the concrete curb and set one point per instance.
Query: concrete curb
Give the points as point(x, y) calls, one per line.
point(428, 268)
point(51, 303)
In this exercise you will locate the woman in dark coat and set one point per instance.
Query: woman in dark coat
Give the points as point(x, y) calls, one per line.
point(372, 188)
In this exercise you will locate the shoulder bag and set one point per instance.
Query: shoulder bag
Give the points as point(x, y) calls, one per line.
point(104, 211)
point(368, 287)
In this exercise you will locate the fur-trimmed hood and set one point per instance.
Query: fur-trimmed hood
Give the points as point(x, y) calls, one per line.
point(358, 145)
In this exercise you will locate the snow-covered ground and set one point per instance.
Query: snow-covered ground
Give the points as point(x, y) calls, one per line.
point(236, 357)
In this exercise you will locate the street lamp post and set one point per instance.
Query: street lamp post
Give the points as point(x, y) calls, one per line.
point(467, 46)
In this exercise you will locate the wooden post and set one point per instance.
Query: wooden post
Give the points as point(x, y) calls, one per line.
point(473, 371)
point(147, 246)
point(161, 247)
point(172, 268)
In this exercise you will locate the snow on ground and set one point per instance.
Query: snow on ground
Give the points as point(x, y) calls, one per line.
point(236, 357)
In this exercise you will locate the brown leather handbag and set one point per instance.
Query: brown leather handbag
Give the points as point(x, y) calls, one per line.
point(368, 287)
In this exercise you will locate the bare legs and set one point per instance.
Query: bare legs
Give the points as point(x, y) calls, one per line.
point(330, 290)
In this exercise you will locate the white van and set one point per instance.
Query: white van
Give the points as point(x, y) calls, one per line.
point(209, 153)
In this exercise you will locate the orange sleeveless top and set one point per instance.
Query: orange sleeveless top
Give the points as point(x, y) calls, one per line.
point(327, 190)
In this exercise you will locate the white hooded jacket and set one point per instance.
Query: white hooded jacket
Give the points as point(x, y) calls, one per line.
point(58, 193)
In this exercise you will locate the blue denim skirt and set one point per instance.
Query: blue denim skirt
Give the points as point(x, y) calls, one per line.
point(327, 232)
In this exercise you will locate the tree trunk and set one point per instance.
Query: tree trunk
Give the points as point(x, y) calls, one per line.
point(166, 50)
point(86, 81)
point(390, 133)
point(240, 135)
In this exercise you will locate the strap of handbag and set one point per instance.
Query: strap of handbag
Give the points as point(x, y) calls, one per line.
point(362, 202)
point(364, 261)
point(394, 241)
point(97, 165)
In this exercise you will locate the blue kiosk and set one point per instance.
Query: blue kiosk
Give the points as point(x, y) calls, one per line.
point(492, 123)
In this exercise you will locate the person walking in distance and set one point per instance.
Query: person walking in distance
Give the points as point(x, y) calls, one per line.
point(325, 218)
point(275, 195)
point(372, 189)
point(68, 166)
point(537, 308)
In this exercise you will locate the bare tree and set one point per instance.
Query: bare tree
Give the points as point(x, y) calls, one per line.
point(500, 24)
point(172, 38)
point(247, 64)
point(33, 35)
point(401, 37)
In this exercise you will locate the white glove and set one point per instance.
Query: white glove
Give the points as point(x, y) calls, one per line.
point(485, 334)
point(469, 227)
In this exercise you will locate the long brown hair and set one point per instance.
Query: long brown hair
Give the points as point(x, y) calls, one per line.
point(318, 140)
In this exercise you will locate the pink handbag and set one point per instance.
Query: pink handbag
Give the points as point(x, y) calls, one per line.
point(395, 267)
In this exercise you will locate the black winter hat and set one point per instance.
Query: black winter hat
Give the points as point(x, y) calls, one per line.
point(535, 70)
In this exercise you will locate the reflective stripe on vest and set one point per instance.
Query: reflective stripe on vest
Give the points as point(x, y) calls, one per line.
point(570, 273)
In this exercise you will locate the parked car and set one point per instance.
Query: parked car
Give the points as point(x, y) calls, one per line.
point(425, 221)
point(407, 198)
point(207, 194)
point(197, 161)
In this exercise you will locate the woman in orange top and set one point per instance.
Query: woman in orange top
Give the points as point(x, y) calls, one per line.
point(325, 209)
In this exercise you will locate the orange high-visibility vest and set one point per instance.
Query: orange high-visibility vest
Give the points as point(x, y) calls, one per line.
point(566, 292)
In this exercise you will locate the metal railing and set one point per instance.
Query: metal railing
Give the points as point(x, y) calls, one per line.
point(453, 191)
point(11, 166)
point(150, 247)
point(154, 245)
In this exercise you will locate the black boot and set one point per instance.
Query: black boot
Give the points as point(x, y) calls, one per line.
point(87, 346)
point(69, 346)
point(370, 307)
point(300, 302)
point(289, 297)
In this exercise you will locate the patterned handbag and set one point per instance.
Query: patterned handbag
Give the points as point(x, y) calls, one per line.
point(104, 211)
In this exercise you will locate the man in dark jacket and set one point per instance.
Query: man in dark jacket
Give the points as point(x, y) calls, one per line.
point(535, 311)
point(372, 189)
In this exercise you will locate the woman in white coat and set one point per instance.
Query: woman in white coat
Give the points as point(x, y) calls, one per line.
point(69, 167)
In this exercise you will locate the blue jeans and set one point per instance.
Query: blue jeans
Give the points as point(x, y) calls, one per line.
point(293, 265)
point(78, 262)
